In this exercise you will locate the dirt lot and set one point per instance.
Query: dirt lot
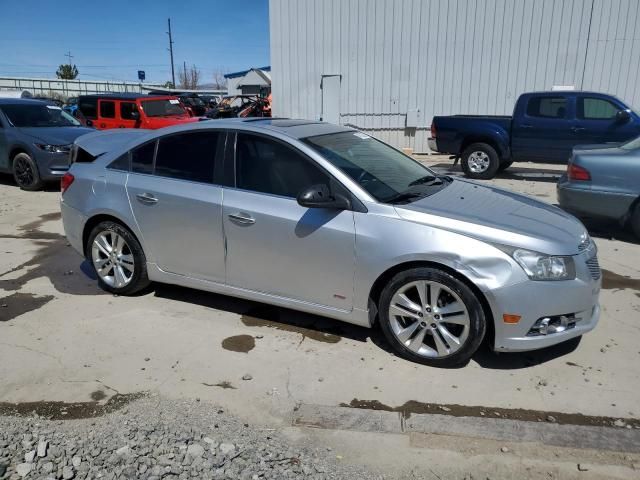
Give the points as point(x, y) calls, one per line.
point(64, 340)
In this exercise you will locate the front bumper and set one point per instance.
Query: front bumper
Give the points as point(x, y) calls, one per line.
point(535, 300)
point(52, 166)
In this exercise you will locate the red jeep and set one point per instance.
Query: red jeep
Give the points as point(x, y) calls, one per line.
point(128, 110)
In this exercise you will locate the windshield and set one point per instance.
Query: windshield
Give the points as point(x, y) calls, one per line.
point(162, 108)
point(386, 174)
point(22, 115)
point(632, 145)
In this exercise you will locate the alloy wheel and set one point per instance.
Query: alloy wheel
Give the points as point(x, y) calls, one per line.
point(23, 172)
point(478, 162)
point(112, 259)
point(429, 319)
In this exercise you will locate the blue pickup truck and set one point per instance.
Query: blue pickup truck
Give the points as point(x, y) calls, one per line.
point(545, 127)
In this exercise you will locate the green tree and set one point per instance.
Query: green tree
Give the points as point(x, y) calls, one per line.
point(67, 72)
point(169, 84)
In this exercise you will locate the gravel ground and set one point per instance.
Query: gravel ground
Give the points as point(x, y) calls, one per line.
point(155, 438)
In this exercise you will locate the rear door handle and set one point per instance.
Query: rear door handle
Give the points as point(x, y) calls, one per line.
point(146, 198)
point(526, 125)
point(242, 218)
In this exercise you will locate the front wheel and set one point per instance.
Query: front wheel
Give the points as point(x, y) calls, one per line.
point(25, 173)
point(480, 161)
point(117, 258)
point(429, 316)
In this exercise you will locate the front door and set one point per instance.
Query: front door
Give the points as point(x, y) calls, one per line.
point(127, 115)
point(596, 122)
point(274, 245)
point(543, 133)
point(177, 205)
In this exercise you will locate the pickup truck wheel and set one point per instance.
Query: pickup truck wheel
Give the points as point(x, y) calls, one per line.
point(504, 165)
point(480, 161)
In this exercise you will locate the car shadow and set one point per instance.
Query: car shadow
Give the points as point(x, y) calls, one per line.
point(609, 231)
point(316, 327)
point(515, 172)
point(7, 179)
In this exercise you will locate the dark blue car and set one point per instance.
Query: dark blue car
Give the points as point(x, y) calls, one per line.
point(545, 127)
point(35, 140)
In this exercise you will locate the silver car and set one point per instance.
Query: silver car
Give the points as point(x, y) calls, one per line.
point(328, 220)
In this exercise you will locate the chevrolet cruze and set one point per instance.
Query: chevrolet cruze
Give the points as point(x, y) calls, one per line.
point(328, 220)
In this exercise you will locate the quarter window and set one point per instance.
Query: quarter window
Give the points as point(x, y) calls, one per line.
point(266, 166)
point(188, 156)
point(590, 108)
point(547, 107)
point(142, 158)
point(121, 163)
point(107, 109)
point(127, 109)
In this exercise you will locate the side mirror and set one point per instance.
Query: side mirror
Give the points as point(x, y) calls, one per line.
point(319, 196)
point(135, 115)
point(623, 116)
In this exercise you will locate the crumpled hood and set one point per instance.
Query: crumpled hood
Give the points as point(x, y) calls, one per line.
point(498, 216)
point(55, 135)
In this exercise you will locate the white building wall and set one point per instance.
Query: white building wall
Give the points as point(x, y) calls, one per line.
point(446, 57)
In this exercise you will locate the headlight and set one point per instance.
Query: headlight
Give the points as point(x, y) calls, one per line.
point(539, 266)
point(54, 148)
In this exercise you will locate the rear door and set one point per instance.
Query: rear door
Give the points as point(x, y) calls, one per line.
point(542, 132)
point(177, 203)
point(106, 115)
point(596, 121)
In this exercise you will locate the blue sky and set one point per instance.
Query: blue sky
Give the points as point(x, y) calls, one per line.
point(114, 39)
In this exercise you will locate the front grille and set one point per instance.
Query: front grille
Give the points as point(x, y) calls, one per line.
point(594, 267)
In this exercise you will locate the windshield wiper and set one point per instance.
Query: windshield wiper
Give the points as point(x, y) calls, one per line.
point(405, 197)
point(427, 180)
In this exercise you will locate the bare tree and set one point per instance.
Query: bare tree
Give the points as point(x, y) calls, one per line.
point(219, 82)
point(189, 77)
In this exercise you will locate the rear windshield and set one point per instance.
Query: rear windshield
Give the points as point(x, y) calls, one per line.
point(162, 108)
point(21, 115)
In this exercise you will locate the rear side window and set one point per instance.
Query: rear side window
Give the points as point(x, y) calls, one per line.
point(590, 108)
point(107, 109)
point(547, 107)
point(88, 107)
point(188, 156)
point(127, 109)
point(142, 158)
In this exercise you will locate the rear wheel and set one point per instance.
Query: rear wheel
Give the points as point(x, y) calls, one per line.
point(480, 161)
point(25, 172)
point(429, 316)
point(117, 258)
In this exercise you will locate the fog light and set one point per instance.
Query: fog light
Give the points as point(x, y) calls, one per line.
point(551, 325)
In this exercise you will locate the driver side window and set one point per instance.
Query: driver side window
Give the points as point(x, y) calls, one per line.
point(266, 166)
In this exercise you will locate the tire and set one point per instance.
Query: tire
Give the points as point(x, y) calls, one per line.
point(118, 279)
point(504, 165)
point(480, 161)
point(413, 336)
point(25, 173)
point(634, 220)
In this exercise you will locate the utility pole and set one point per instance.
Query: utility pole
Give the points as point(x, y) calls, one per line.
point(173, 74)
point(69, 56)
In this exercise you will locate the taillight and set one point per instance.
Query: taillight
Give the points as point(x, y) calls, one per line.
point(66, 181)
point(433, 130)
point(576, 172)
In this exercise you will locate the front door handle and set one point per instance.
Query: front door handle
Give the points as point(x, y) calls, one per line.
point(577, 129)
point(146, 198)
point(242, 218)
point(526, 125)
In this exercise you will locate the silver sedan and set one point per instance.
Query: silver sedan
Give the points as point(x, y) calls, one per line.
point(328, 220)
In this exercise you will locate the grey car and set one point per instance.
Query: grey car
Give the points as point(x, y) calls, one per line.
point(603, 183)
point(35, 140)
point(328, 220)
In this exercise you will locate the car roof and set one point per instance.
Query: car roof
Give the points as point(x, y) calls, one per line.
point(124, 96)
point(294, 128)
point(22, 101)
